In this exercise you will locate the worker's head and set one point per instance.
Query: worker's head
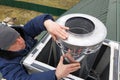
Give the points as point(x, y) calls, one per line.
point(10, 39)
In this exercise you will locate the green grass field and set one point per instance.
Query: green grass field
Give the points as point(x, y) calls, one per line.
point(24, 15)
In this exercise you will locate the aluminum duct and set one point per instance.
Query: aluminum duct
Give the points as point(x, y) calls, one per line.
point(86, 35)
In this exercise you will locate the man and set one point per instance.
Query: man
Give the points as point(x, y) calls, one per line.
point(15, 45)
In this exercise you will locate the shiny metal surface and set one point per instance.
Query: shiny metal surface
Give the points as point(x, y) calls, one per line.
point(86, 35)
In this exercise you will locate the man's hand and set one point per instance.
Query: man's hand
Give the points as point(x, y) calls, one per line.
point(63, 70)
point(56, 30)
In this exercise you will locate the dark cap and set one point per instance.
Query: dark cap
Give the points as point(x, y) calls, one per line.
point(7, 36)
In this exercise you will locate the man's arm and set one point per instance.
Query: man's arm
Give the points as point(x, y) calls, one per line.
point(13, 70)
point(16, 71)
point(36, 25)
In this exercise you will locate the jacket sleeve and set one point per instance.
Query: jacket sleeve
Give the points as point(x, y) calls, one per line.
point(17, 72)
point(49, 75)
point(36, 25)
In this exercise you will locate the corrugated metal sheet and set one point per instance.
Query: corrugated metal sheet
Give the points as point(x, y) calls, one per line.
point(108, 11)
point(118, 20)
point(96, 8)
point(111, 21)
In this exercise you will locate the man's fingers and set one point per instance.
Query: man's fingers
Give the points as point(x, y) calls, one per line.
point(61, 60)
point(62, 34)
point(74, 69)
point(72, 65)
point(64, 27)
point(54, 37)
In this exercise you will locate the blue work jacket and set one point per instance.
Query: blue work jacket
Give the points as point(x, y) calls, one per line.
point(12, 69)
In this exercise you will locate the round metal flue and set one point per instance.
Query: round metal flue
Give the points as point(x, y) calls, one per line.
point(80, 25)
point(86, 35)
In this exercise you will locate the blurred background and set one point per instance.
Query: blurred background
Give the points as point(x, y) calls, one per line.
point(24, 10)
